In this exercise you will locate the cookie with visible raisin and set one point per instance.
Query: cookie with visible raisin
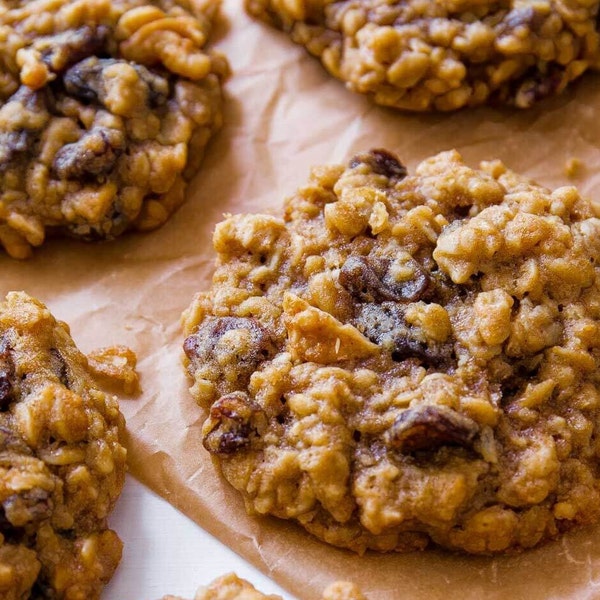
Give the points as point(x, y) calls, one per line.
point(448, 54)
point(62, 462)
point(407, 359)
point(105, 111)
point(232, 587)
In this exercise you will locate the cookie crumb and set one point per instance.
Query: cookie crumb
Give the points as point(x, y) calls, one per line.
point(116, 365)
point(574, 167)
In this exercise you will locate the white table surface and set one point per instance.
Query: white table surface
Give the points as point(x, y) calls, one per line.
point(167, 553)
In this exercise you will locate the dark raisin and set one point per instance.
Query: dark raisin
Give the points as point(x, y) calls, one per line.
point(14, 142)
point(381, 162)
point(368, 279)
point(535, 86)
point(59, 366)
point(86, 81)
point(442, 289)
point(9, 441)
point(406, 347)
point(522, 16)
point(233, 423)
point(385, 325)
point(199, 347)
point(7, 372)
point(66, 48)
point(5, 390)
point(428, 427)
point(29, 506)
point(94, 154)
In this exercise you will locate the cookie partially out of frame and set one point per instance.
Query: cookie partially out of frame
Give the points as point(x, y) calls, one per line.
point(62, 462)
point(444, 55)
point(231, 587)
point(407, 358)
point(105, 111)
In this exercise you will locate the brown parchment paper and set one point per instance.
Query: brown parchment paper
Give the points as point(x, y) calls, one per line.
point(282, 115)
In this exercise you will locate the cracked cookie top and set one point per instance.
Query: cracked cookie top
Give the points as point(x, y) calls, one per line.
point(407, 358)
point(444, 55)
point(62, 462)
point(105, 111)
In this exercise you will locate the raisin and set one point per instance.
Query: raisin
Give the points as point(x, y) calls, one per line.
point(7, 370)
point(535, 86)
point(94, 154)
point(68, 47)
point(86, 81)
point(368, 279)
point(59, 366)
point(29, 506)
point(522, 16)
point(442, 289)
point(10, 442)
point(233, 423)
point(381, 162)
point(21, 139)
point(199, 347)
point(385, 325)
point(428, 427)
point(12, 142)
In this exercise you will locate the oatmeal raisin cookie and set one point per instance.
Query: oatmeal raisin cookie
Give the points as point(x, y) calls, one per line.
point(105, 110)
point(62, 463)
point(408, 358)
point(231, 587)
point(444, 55)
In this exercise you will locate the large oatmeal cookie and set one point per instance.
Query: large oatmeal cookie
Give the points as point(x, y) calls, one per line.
point(105, 110)
point(408, 358)
point(444, 55)
point(62, 465)
point(231, 587)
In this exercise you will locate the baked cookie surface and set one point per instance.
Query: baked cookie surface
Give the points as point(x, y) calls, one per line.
point(406, 359)
point(444, 55)
point(232, 587)
point(62, 465)
point(105, 110)
point(228, 587)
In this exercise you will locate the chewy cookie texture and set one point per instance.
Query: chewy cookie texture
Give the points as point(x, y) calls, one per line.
point(105, 110)
point(231, 587)
point(62, 463)
point(444, 55)
point(406, 359)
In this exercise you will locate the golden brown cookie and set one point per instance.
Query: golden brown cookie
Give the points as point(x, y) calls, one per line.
point(444, 55)
point(228, 587)
point(231, 587)
point(105, 111)
point(407, 358)
point(62, 462)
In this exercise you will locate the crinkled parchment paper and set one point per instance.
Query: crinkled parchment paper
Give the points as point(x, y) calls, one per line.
point(282, 115)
